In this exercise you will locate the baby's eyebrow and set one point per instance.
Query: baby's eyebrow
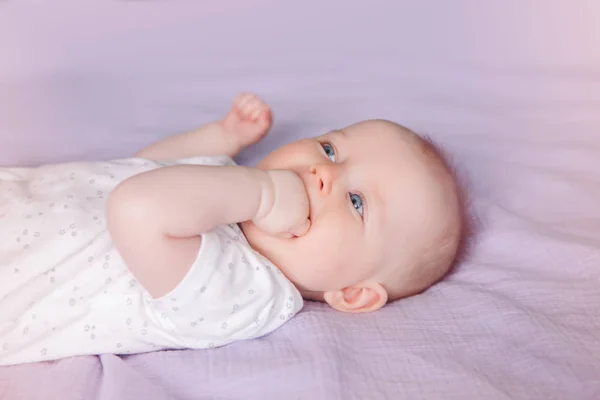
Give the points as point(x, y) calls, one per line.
point(338, 133)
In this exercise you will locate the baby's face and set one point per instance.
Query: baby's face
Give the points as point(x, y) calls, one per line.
point(370, 201)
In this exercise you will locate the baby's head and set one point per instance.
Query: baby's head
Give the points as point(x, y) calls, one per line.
point(385, 211)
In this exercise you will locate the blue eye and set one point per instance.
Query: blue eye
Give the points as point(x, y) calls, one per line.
point(329, 150)
point(357, 202)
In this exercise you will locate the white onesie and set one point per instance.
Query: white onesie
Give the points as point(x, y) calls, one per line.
point(65, 291)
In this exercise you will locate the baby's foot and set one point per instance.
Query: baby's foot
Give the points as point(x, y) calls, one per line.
point(249, 119)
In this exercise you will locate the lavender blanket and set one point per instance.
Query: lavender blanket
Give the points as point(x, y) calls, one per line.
point(509, 88)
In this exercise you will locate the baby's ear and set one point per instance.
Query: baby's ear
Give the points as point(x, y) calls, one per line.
point(364, 297)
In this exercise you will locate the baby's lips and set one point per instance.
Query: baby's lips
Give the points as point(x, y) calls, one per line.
point(303, 179)
point(302, 229)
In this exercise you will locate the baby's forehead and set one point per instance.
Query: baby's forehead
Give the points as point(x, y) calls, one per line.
point(397, 170)
point(379, 126)
point(385, 151)
point(391, 158)
point(385, 136)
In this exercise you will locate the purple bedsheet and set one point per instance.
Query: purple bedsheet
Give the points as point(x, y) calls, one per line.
point(510, 88)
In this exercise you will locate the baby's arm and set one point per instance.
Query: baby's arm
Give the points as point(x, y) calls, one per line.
point(246, 123)
point(156, 218)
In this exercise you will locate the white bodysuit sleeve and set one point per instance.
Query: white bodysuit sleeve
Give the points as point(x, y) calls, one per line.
point(230, 293)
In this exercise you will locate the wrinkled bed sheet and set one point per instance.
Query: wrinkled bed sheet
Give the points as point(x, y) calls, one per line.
point(512, 92)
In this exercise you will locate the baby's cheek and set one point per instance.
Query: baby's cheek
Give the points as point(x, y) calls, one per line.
point(335, 245)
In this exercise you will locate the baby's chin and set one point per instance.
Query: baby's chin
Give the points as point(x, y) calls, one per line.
point(264, 243)
point(312, 295)
point(281, 252)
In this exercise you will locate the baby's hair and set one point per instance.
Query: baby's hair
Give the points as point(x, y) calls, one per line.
point(438, 258)
point(434, 151)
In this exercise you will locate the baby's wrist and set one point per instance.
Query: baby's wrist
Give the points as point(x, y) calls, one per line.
point(267, 193)
point(231, 139)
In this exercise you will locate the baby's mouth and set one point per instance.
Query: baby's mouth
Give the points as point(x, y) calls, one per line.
point(306, 185)
point(311, 215)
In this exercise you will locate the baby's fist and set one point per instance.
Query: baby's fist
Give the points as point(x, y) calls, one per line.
point(248, 121)
point(284, 205)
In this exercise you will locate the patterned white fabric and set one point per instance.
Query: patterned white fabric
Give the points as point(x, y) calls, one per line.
point(65, 291)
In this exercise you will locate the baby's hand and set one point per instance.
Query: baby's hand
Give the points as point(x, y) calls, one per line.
point(248, 121)
point(284, 206)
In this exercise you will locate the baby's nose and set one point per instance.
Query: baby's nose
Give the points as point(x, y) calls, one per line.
point(324, 175)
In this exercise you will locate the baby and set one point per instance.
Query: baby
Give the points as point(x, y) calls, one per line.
point(178, 247)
